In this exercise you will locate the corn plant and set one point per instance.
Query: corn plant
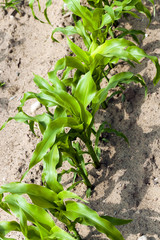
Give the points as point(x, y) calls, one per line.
point(46, 204)
point(99, 18)
point(102, 20)
point(10, 4)
point(2, 84)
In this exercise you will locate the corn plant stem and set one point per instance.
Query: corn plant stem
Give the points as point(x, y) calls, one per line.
point(93, 154)
point(82, 173)
point(91, 151)
point(75, 158)
point(76, 234)
point(104, 105)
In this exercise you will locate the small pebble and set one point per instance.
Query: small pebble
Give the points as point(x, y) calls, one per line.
point(65, 7)
point(12, 98)
point(11, 17)
point(71, 37)
point(35, 106)
point(142, 238)
point(155, 181)
point(146, 35)
point(4, 179)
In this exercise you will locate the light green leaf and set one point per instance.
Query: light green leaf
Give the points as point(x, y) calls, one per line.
point(51, 160)
point(6, 227)
point(117, 221)
point(42, 83)
point(58, 84)
point(123, 77)
point(45, 196)
point(85, 90)
point(33, 213)
point(54, 128)
point(81, 54)
point(69, 30)
point(69, 195)
point(110, 46)
point(81, 11)
point(89, 217)
point(59, 234)
point(62, 99)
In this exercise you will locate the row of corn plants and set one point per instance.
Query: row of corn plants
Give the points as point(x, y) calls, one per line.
point(71, 102)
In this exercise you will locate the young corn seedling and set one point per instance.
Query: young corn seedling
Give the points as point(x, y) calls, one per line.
point(100, 22)
point(100, 18)
point(10, 4)
point(46, 204)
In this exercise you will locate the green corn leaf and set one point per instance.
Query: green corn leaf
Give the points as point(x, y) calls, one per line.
point(89, 217)
point(117, 221)
point(31, 3)
point(133, 14)
point(74, 185)
point(58, 233)
point(74, 62)
point(69, 63)
point(19, 117)
point(3, 205)
point(23, 222)
point(114, 50)
point(81, 54)
point(55, 81)
point(141, 8)
point(106, 19)
point(85, 90)
point(124, 77)
point(33, 233)
point(62, 99)
point(40, 196)
point(139, 54)
point(66, 172)
point(42, 83)
point(119, 134)
point(7, 227)
point(83, 12)
point(54, 128)
point(112, 45)
point(63, 195)
point(59, 112)
point(131, 32)
point(69, 30)
point(26, 96)
point(48, 4)
point(95, 3)
point(83, 33)
point(60, 65)
point(42, 120)
point(33, 213)
point(97, 15)
point(51, 160)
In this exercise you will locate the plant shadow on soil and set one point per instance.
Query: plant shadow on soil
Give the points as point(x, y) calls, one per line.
point(128, 172)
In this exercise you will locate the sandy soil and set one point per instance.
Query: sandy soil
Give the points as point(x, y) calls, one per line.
point(128, 183)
